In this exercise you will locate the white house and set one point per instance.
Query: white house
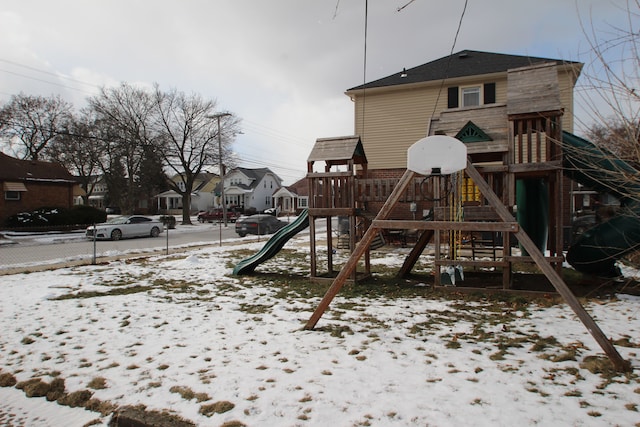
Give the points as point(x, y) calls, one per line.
point(249, 188)
point(201, 196)
point(293, 198)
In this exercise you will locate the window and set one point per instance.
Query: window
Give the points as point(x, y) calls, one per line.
point(303, 202)
point(471, 96)
point(267, 201)
point(12, 195)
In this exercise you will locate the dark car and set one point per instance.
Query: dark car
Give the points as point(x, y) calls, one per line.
point(258, 224)
point(216, 215)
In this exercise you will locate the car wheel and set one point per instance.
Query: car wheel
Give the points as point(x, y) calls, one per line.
point(201, 220)
point(155, 232)
point(116, 234)
point(242, 234)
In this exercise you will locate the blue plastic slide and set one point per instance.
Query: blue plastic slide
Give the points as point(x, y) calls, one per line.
point(596, 250)
point(273, 245)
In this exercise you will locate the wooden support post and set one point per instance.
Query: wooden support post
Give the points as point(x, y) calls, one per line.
point(618, 362)
point(312, 246)
point(412, 258)
point(359, 250)
point(329, 245)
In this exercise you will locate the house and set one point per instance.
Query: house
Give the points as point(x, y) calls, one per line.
point(31, 184)
point(202, 199)
point(290, 200)
point(249, 189)
point(485, 99)
point(98, 191)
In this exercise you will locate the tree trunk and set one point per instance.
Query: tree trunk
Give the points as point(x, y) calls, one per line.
point(186, 208)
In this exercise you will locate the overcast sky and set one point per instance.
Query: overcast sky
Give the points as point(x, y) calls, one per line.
point(281, 66)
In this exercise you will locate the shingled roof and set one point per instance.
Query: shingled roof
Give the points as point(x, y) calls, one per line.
point(460, 64)
point(12, 169)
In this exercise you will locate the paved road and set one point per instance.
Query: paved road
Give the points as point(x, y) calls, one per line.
point(32, 249)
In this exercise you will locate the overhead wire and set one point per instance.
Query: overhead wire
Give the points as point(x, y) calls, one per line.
point(62, 76)
point(446, 72)
point(364, 65)
point(49, 73)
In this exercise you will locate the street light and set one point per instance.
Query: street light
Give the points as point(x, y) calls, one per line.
point(224, 204)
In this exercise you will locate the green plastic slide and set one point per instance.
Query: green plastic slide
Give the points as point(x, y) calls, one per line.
point(596, 250)
point(273, 245)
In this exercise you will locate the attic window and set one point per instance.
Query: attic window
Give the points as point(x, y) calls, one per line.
point(470, 96)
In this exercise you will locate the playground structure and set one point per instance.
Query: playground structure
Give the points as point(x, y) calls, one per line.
point(511, 191)
point(446, 155)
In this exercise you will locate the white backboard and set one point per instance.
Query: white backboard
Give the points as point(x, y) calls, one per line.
point(437, 154)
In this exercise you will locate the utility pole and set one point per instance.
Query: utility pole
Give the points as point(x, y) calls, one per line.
point(221, 169)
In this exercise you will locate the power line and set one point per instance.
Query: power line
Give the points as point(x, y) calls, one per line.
point(446, 72)
point(273, 133)
point(45, 81)
point(47, 72)
point(267, 163)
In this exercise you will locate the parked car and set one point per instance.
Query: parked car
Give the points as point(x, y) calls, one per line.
point(258, 224)
point(216, 215)
point(125, 226)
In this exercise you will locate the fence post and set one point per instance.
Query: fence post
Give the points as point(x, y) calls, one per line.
point(95, 235)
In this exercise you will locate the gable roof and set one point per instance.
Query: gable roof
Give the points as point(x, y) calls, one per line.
point(12, 169)
point(461, 64)
point(338, 150)
point(255, 175)
point(472, 133)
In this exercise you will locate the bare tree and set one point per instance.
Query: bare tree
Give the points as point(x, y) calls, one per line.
point(79, 150)
point(609, 162)
point(31, 123)
point(123, 117)
point(610, 88)
point(608, 94)
point(187, 138)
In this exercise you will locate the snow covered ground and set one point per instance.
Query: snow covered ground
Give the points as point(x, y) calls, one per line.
point(180, 333)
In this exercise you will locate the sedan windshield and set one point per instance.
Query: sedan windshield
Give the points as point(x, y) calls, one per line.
point(118, 220)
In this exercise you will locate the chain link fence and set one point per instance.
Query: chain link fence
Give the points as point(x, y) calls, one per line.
point(25, 250)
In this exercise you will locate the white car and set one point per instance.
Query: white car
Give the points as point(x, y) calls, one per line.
point(125, 226)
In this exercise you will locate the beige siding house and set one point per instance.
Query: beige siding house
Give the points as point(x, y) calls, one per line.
point(394, 112)
point(202, 199)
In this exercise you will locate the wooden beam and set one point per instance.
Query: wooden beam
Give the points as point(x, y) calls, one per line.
point(552, 275)
point(511, 227)
point(415, 253)
point(536, 167)
point(359, 250)
point(474, 263)
point(329, 212)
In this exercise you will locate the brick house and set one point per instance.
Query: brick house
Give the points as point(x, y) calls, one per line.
point(32, 184)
